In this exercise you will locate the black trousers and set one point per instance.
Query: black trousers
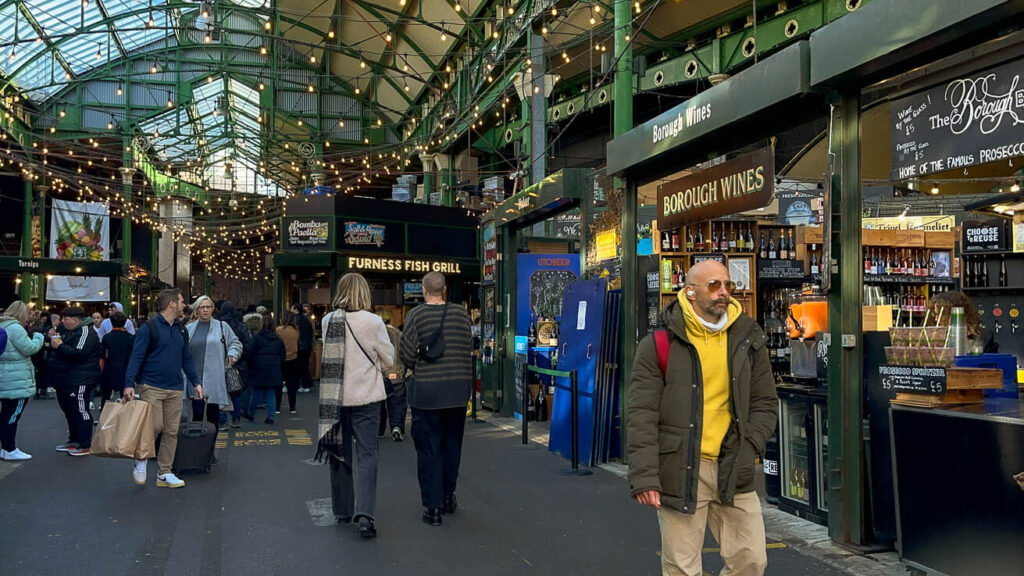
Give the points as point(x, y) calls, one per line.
point(292, 375)
point(10, 413)
point(354, 483)
point(306, 379)
point(394, 408)
point(438, 438)
point(74, 402)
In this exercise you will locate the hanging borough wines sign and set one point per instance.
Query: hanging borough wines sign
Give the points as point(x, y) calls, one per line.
point(971, 120)
point(743, 183)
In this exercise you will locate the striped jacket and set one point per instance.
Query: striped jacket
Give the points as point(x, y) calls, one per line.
point(77, 361)
point(447, 382)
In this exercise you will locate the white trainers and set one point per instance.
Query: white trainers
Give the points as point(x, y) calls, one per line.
point(139, 472)
point(14, 455)
point(169, 481)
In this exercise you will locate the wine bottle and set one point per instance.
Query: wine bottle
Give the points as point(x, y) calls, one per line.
point(731, 245)
point(531, 334)
point(868, 267)
point(1002, 271)
point(741, 243)
point(714, 238)
point(888, 263)
point(700, 238)
point(750, 237)
point(763, 248)
point(968, 272)
point(675, 240)
point(815, 269)
point(689, 239)
point(783, 248)
point(792, 246)
point(666, 242)
point(772, 254)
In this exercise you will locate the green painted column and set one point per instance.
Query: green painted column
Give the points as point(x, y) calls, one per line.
point(449, 178)
point(538, 108)
point(126, 232)
point(25, 288)
point(622, 123)
point(847, 497)
point(428, 176)
point(525, 139)
point(506, 329)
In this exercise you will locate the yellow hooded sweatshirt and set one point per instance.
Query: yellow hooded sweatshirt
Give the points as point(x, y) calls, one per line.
point(713, 350)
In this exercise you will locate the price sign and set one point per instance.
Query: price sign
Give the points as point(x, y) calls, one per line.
point(779, 269)
point(916, 379)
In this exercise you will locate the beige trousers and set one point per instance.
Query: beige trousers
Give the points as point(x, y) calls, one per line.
point(166, 408)
point(739, 530)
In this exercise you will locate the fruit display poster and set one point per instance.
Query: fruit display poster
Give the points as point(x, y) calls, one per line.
point(79, 231)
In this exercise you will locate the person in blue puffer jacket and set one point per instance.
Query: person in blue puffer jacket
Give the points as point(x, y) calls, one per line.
point(17, 376)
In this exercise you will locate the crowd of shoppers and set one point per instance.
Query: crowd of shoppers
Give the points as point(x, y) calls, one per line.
point(165, 360)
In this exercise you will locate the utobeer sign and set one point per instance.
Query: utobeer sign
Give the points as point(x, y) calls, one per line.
point(741, 184)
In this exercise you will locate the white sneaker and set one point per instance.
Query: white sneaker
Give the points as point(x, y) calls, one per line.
point(14, 455)
point(139, 472)
point(169, 481)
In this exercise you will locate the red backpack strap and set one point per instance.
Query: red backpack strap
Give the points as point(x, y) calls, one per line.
point(661, 342)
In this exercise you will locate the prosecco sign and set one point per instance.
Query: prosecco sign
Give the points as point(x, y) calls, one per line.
point(973, 119)
point(741, 184)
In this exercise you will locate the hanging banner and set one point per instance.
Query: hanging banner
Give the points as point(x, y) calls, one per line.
point(926, 223)
point(743, 183)
point(971, 120)
point(79, 231)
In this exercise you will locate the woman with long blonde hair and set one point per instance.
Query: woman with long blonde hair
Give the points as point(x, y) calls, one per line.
point(356, 345)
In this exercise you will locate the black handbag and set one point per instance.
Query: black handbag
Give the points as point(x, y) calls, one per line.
point(431, 350)
point(232, 379)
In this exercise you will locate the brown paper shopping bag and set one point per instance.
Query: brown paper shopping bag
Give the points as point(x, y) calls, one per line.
point(125, 430)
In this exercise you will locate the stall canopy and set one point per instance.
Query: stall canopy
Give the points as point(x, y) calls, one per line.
point(753, 104)
point(541, 200)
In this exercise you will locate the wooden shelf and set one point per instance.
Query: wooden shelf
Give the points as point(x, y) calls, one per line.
point(704, 252)
point(903, 279)
point(993, 289)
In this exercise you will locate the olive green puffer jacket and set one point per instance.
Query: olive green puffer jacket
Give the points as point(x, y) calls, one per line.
point(664, 414)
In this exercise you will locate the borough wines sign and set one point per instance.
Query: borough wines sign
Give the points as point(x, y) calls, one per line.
point(743, 183)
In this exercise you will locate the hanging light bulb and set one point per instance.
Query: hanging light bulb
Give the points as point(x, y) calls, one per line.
point(12, 55)
point(267, 25)
point(119, 91)
point(1015, 187)
point(444, 37)
point(154, 68)
point(544, 30)
point(99, 53)
point(511, 10)
point(312, 58)
point(110, 123)
point(554, 11)
point(150, 22)
point(458, 6)
point(387, 37)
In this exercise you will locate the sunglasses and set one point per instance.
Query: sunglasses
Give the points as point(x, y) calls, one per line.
point(716, 285)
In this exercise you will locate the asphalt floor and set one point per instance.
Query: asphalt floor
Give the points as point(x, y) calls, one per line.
point(265, 509)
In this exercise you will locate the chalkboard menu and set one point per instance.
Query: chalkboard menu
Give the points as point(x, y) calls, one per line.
point(973, 119)
point(518, 392)
point(779, 269)
point(916, 379)
point(983, 235)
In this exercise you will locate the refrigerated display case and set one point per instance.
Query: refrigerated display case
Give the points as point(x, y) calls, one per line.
point(803, 440)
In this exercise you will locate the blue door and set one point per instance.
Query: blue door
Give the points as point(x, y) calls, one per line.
point(579, 349)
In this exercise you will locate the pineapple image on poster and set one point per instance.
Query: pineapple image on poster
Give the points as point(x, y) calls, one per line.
point(79, 231)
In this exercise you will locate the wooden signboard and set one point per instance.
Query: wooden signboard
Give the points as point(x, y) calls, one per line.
point(741, 184)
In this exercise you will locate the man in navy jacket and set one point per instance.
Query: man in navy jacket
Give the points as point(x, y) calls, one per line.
point(159, 356)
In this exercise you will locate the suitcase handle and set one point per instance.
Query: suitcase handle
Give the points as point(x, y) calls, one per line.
point(194, 428)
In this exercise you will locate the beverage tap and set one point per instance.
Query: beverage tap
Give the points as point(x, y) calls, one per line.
point(998, 326)
point(1013, 326)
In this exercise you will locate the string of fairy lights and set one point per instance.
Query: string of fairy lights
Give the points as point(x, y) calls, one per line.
point(231, 232)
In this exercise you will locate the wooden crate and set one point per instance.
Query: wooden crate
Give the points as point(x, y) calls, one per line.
point(963, 386)
point(939, 240)
point(909, 239)
point(873, 237)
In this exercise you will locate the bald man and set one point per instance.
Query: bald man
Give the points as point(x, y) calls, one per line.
point(701, 405)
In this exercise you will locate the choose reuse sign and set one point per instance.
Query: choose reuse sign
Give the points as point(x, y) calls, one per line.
point(971, 120)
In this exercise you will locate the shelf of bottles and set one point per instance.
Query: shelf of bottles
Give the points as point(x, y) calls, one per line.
point(677, 246)
point(904, 266)
point(992, 271)
point(770, 248)
point(773, 318)
point(796, 460)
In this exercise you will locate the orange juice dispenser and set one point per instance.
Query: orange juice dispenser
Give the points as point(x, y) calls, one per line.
point(808, 318)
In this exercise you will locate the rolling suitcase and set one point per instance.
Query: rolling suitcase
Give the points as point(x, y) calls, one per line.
point(196, 441)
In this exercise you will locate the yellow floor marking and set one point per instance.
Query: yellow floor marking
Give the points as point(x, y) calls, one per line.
point(259, 442)
point(258, 434)
point(298, 438)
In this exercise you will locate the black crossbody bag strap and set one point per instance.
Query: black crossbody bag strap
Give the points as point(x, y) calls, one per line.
point(440, 327)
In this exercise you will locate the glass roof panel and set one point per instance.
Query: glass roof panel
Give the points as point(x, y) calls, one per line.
point(131, 21)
